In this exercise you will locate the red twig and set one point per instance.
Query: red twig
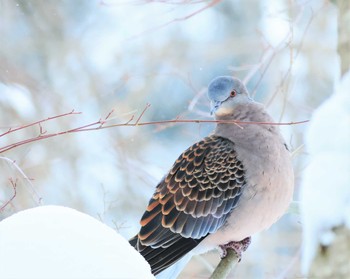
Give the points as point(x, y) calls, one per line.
point(14, 186)
point(30, 187)
point(142, 113)
point(11, 130)
point(99, 125)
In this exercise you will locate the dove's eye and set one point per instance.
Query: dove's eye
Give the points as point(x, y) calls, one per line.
point(233, 93)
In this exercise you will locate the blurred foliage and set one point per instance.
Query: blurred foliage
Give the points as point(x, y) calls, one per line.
point(95, 56)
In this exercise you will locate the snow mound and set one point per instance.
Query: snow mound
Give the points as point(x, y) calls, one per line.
point(325, 191)
point(59, 242)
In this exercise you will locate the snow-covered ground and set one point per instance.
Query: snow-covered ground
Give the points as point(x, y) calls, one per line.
point(60, 242)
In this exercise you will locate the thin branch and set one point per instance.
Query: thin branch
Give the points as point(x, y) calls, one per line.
point(11, 130)
point(99, 125)
point(198, 121)
point(106, 118)
point(14, 186)
point(178, 19)
point(142, 113)
point(296, 54)
point(37, 199)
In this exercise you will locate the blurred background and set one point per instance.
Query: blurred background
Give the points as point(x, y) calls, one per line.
point(98, 57)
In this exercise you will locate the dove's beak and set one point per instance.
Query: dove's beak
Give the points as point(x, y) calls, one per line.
point(214, 106)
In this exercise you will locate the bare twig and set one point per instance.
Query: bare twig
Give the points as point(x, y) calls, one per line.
point(99, 125)
point(292, 58)
point(106, 118)
point(14, 186)
point(178, 19)
point(33, 193)
point(142, 113)
point(11, 130)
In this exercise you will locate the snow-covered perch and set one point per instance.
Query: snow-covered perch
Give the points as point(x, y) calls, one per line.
point(59, 242)
point(325, 193)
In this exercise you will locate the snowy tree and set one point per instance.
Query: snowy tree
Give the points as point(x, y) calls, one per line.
point(325, 193)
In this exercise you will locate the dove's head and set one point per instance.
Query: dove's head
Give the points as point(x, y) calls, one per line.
point(225, 93)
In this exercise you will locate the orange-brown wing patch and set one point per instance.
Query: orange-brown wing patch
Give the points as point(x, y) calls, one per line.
point(196, 197)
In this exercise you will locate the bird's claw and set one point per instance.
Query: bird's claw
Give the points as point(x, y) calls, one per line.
point(237, 246)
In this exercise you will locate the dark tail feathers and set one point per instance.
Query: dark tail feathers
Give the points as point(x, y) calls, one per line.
point(161, 258)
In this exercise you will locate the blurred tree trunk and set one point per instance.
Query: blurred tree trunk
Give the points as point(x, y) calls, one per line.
point(332, 261)
point(343, 33)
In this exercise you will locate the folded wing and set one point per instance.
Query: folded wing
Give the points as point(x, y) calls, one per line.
point(192, 201)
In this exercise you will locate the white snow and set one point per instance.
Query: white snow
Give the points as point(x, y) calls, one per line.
point(60, 242)
point(325, 192)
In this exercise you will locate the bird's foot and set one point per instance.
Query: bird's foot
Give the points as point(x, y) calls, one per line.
point(238, 246)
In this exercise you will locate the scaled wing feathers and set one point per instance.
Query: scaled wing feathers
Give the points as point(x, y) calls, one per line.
point(196, 196)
